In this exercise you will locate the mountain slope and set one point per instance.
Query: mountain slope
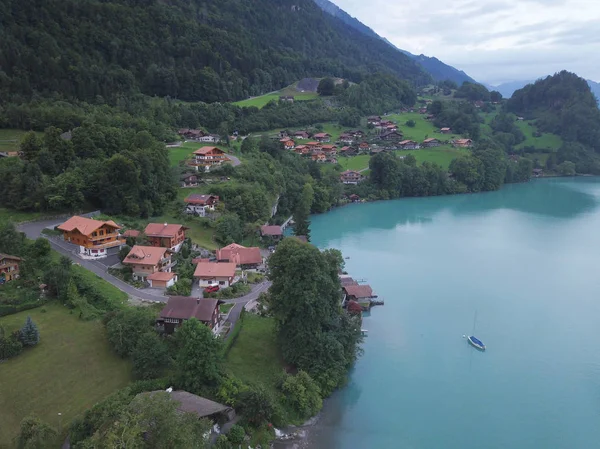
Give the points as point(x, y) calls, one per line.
point(436, 68)
point(210, 50)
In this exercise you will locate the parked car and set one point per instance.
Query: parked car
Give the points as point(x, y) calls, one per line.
point(212, 289)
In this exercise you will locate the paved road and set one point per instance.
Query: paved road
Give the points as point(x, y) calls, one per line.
point(257, 289)
point(234, 160)
point(34, 229)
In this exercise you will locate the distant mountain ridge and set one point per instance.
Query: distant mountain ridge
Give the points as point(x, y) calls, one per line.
point(507, 89)
point(436, 68)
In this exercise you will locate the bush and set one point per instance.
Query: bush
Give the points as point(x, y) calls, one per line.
point(302, 394)
point(150, 357)
point(230, 389)
point(125, 327)
point(222, 443)
point(257, 405)
point(10, 346)
point(236, 434)
point(411, 123)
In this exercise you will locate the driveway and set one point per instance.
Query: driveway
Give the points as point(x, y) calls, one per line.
point(234, 160)
point(236, 310)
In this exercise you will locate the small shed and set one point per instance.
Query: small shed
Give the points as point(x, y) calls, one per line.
point(201, 407)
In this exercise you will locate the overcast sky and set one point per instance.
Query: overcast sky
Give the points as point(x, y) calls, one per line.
point(493, 41)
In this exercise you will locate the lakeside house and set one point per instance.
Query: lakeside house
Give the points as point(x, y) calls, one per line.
point(215, 273)
point(322, 137)
point(271, 231)
point(409, 145)
point(430, 143)
point(182, 308)
point(95, 239)
point(146, 261)
point(200, 204)
point(9, 267)
point(188, 180)
point(166, 235)
point(207, 157)
point(537, 172)
point(198, 406)
point(351, 177)
point(463, 143)
point(241, 256)
point(359, 293)
point(445, 130)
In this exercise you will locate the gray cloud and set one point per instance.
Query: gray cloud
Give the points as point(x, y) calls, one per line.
point(495, 40)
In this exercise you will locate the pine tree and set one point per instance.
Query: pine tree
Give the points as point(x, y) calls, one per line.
point(29, 333)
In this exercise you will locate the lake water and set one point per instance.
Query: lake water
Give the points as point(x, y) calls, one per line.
point(525, 260)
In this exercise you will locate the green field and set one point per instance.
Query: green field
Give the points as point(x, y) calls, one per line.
point(254, 357)
point(262, 100)
point(10, 139)
point(423, 128)
point(441, 156)
point(355, 162)
point(178, 154)
point(17, 216)
point(546, 141)
point(70, 370)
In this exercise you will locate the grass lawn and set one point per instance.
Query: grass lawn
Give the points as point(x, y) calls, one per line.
point(10, 139)
point(422, 130)
point(355, 162)
point(98, 284)
point(262, 100)
point(17, 216)
point(254, 357)
point(546, 141)
point(441, 155)
point(70, 370)
point(225, 308)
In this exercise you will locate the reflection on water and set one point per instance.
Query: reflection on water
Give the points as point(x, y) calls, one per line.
point(558, 198)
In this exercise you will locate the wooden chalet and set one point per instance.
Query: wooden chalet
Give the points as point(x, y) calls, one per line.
point(166, 235)
point(147, 261)
point(319, 157)
point(391, 135)
point(215, 273)
point(301, 135)
point(446, 131)
point(200, 204)
point(322, 137)
point(431, 142)
point(409, 145)
point(179, 309)
point(240, 255)
point(351, 177)
point(95, 239)
point(189, 180)
point(463, 143)
point(207, 157)
point(9, 267)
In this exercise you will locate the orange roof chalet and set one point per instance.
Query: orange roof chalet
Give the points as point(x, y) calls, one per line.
point(240, 254)
point(85, 225)
point(163, 229)
point(145, 255)
point(215, 269)
point(208, 150)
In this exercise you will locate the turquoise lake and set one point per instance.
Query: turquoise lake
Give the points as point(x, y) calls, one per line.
point(526, 260)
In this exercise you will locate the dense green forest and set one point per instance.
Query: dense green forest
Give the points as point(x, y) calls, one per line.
point(563, 104)
point(192, 50)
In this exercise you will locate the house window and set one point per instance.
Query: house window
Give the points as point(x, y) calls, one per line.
point(94, 251)
point(101, 232)
point(221, 282)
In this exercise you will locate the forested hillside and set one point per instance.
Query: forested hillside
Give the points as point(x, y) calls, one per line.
point(564, 104)
point(204, 50)
point(438, 70)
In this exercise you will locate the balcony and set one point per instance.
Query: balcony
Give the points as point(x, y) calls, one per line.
point(112, 235)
